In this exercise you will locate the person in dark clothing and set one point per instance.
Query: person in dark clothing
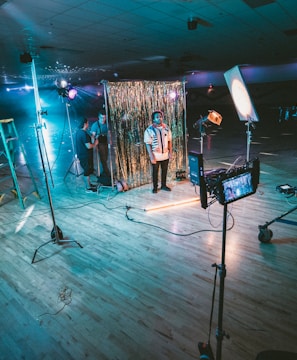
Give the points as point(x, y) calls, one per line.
point(99, 130)
point(84, 150)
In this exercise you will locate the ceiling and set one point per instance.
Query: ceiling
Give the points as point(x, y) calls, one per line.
point(90, 40)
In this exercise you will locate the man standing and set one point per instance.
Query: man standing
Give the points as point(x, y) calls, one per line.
point(100, 131)
point(158, 140)
point(84, 150)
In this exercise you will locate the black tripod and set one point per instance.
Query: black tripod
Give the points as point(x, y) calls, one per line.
point(56, 234)
point(205, 348)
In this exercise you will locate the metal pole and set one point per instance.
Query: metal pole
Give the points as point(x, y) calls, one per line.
point(108, 133)
point(222, 272)
point(75, 160)
point(248, 142)
point(185, 126)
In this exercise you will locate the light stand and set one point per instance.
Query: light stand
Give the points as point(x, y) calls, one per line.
point(75, 162)
point(109, 140)
point(220, 333)
point(205, 348)
point(200, 125)
point(205, 122)
point(56, 234)
point(227, 188)
point(242, 101)
point(250, 124)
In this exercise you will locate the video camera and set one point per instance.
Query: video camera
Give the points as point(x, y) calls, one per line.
point(225, 185)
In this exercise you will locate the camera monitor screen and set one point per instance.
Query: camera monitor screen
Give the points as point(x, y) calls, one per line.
point(237, 187)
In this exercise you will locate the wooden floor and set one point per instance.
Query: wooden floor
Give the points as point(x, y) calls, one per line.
point(141, 285)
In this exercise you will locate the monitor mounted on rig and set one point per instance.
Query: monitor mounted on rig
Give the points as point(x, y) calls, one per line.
point(225, 185)
point(237, 187)
point(237, 183)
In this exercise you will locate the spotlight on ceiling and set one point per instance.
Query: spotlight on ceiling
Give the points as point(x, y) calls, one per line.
point(192, 23)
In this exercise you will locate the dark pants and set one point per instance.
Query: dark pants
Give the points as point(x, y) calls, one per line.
point(87, 165)
point(103, 154)
point(164, 167)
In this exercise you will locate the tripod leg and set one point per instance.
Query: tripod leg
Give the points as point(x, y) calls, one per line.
point(75, 166)
point(35, 253)
point(55, 241)
point(68, 171)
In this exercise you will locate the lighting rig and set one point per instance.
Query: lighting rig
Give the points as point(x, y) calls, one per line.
point(56, 235)
point(224, 186)
point(69, 93)
point(205, 122)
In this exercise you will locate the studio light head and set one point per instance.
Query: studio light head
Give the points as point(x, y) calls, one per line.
point(67, 92)
point(72, 92)
point(213, 118)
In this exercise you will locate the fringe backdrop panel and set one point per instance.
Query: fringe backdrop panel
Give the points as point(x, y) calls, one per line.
point(131, 105)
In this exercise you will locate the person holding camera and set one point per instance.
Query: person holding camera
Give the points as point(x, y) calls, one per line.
point(99, 131)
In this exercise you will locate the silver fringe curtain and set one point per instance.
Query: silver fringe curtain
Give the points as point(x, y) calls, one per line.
point(130, 107)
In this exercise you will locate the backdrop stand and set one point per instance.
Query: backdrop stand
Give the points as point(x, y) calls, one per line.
point(109, 140)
